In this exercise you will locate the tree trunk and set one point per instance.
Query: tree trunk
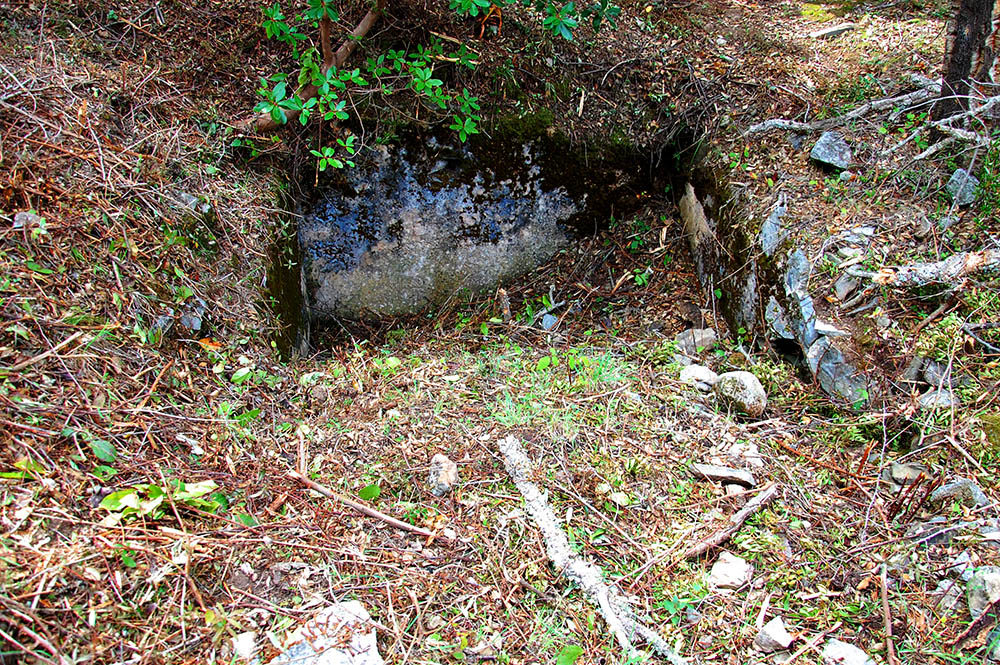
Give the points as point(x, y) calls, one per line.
point(969, 55)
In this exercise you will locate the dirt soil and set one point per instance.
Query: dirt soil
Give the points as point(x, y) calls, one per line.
point(149, 425)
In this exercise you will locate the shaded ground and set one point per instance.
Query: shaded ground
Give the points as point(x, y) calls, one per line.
point(107, 120)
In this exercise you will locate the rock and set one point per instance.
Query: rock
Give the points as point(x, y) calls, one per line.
point(922, 228)
point(773, 636)
point(961, 566)
point(828, 329)
point(836, 652)
point(771, 233)
point(443, 475)
point(983, 589)
point(913, 371)
point(796, 140)
point(993, 644)
point(835, 375)
point(743, 391)
point(737, 492)
point(549, 322)
point(963, 490)
point(935, 531)
point(938, 374)
point(694, 341)
point(948, 595)
point(162, 325)
point(244, 645)
point(845, 286)
point(947, 221)
point(419, 220)
point(729, 572)
point(723, 474)
point(907, 474)
point(832, 150)
point(962, 187)
point(747, 454)
point(833, 31)
point(846, 176)
point(27, 219)
point(193, 318)
point(775, 316)
point(938, 399)
point(340, 634)
point(700, 377)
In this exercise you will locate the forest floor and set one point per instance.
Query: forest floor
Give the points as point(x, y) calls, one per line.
point(117, 125)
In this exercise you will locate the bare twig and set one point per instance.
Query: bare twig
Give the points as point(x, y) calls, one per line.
point(890, 650)
point(365, 510)
point(735, 522)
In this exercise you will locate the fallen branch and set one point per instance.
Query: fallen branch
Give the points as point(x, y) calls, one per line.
point(609, 600)
point(971, 328)
point(928, 90)
point(949, 271)
point(265, 123)
point(735, 522)
point(365, 510)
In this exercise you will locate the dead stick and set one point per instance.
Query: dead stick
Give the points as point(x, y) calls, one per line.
point(990, 614)
point(735, 522)
point(890, 650)
point(812, 643)
point(362, 508)
point(42, 356)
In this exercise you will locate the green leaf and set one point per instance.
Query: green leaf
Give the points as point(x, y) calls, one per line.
point(241, 375)
point(246, 520)
point(103, 450)
point(37, 268)
point(370, 492)
point(568, 655)
point(543, 363)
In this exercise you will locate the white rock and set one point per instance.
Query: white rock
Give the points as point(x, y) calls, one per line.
point(938, 399)
point(443, 475)
point(699, 376)
point(836, 652)
point(773, 636)
point(245, 645)
point(729, 572)
point(743, 391)
point(983, 589)
point(746, 453)
point(947, 595)
point(723, 474)
point(694, 341)
point(341, 634)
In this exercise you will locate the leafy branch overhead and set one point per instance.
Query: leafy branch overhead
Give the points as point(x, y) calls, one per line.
point(323, 86)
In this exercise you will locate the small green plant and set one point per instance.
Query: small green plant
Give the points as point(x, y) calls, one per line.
point(152, 501)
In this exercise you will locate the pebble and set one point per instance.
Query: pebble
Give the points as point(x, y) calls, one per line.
point(729, 572)
point(443, 475)
point(694, 341)
point(743, 391)
point(700, 377)
point(836, 652)
point(773, 636)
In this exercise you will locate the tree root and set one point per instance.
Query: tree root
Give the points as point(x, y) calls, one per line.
point(609, 600)
point(950, 271)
